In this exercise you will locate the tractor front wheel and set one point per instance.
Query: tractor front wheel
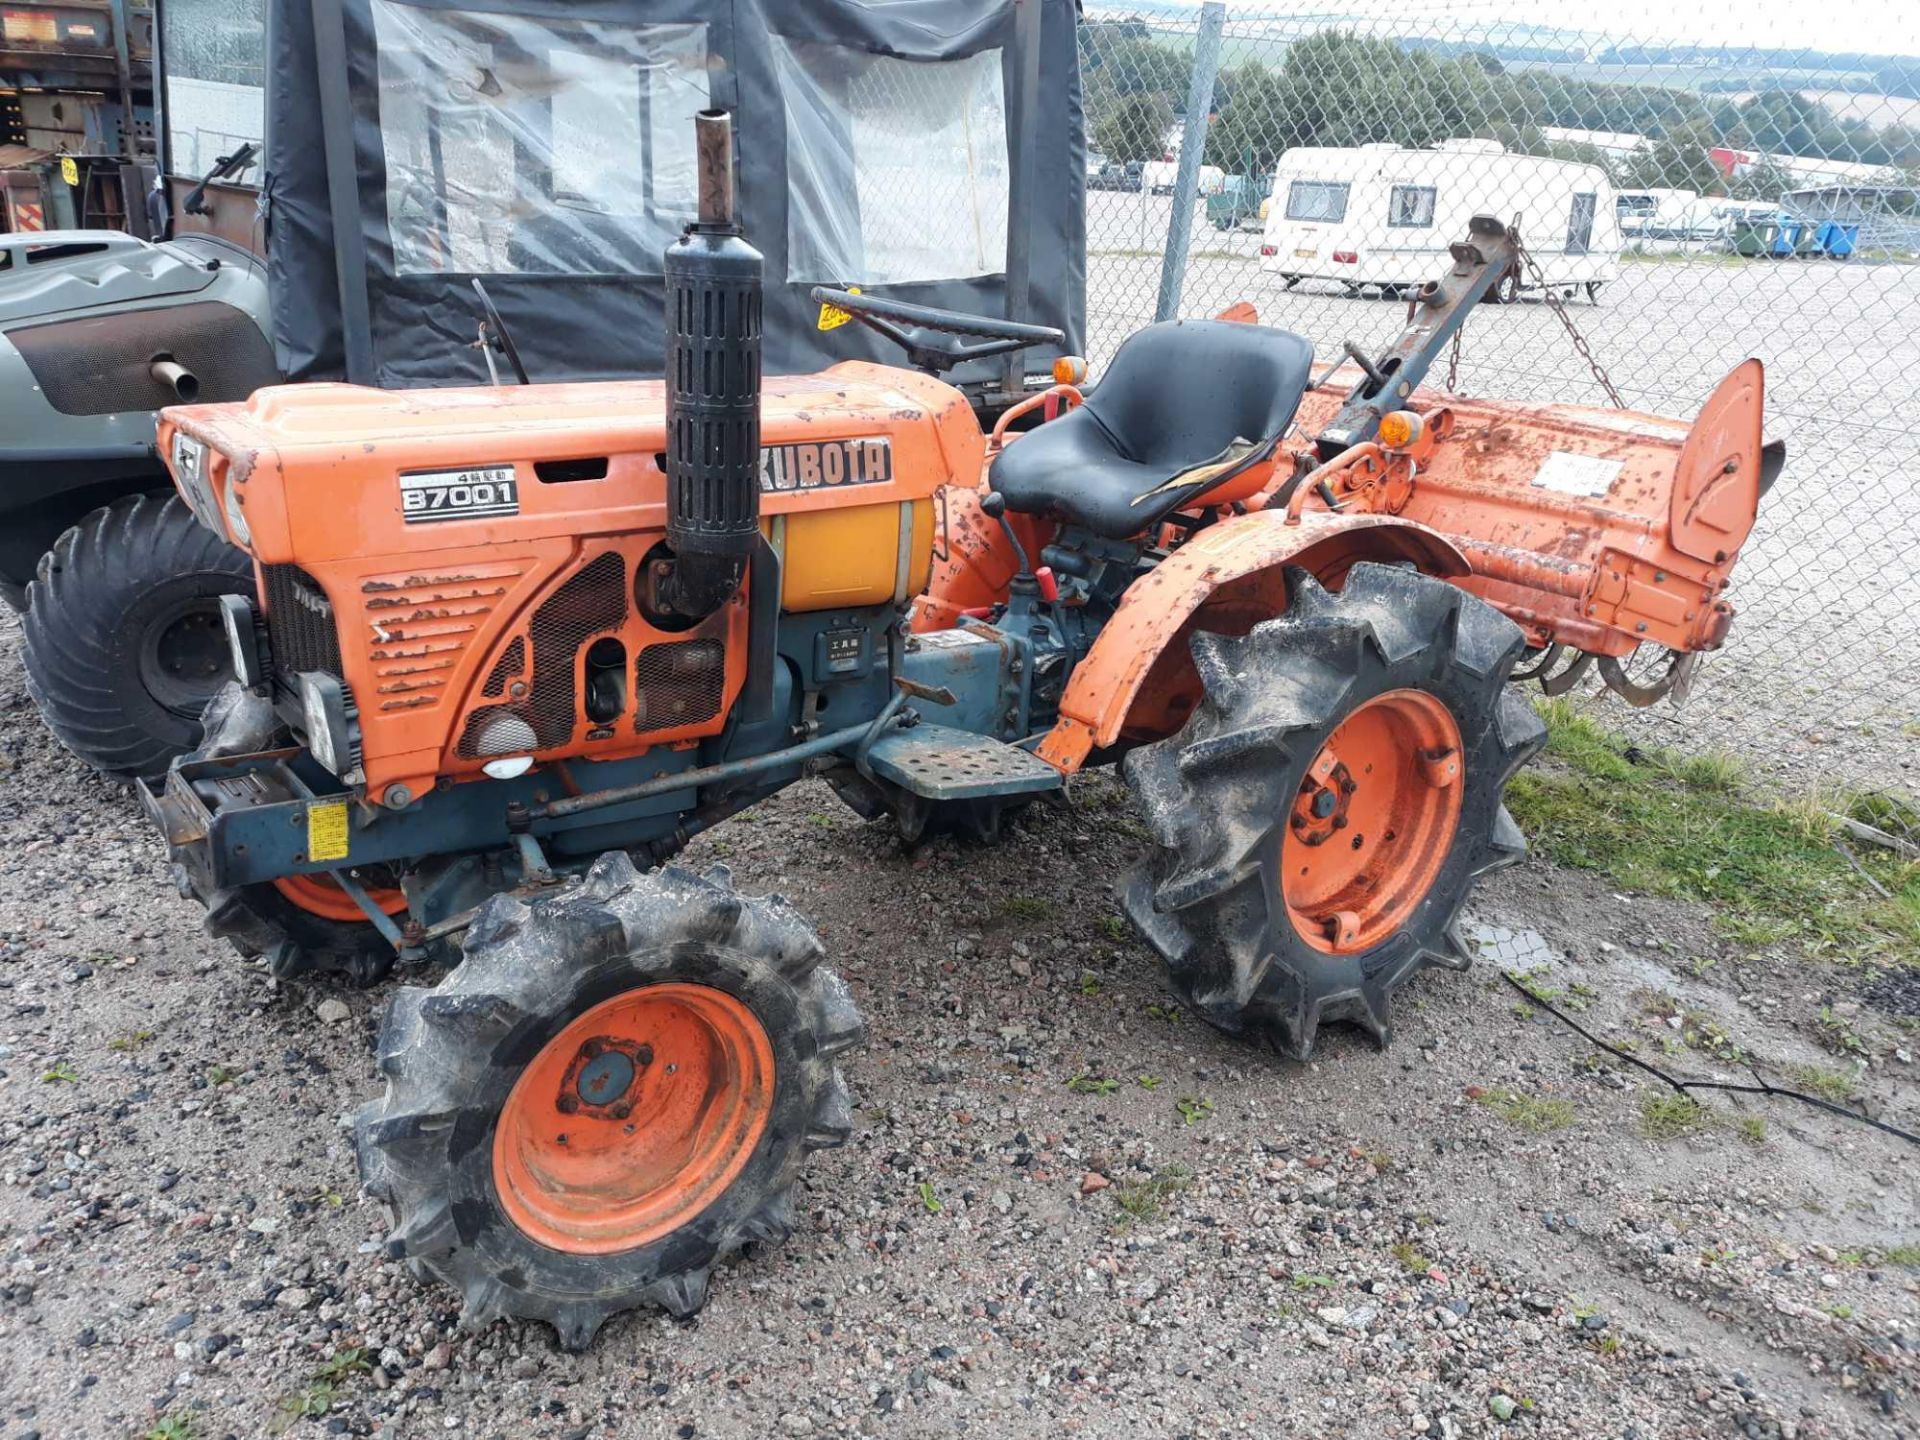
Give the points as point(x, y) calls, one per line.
point(123, 641)
point(613, 1093)
point(1327, 809)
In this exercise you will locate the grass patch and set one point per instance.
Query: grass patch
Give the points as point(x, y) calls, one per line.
point(1536, 1114)
point(1026, 908)
point(1752, 1129)
point(1906, 1256)
point(1144, 1201)
point(1669, 1116)
point(1828, 1084)
point(1679, 826)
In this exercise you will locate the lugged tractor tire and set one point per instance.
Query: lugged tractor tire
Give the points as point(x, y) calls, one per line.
point(122, 636)
point(298, 940)
point(1288, 886)
point(511, 1171)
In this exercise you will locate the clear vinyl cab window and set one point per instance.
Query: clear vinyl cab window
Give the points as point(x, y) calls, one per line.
point(879, 148)
point(535, 145)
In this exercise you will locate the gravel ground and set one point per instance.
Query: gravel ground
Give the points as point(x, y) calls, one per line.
point(1820, 680)
point(1364, 1246)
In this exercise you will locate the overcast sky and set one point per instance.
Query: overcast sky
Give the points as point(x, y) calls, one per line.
point(1885, 27)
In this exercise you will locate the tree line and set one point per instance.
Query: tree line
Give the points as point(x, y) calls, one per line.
point(1338, 88)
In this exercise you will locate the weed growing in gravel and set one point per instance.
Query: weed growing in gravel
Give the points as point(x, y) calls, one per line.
point(928, 1199)
point(172, 1427)
point(1668, 1117)
point(1410, 1257)
point(59, 1073)
point(1092, 1085)
point(221, 1074)
point(130, 1042)
point(1168, 1013)
point(1193, 1108)
point(1836, 1034)
point(1905, 1256)
point(1029, 909)
point(1828, 1084)
point(1313, 1282)
point(1116, 927)
point(1089, 984)
point(1538, 1114)
point(307, 1403)
point(1148, 1082)
point(1144, 1201)
point(1678, 826)
point(1752, 1129)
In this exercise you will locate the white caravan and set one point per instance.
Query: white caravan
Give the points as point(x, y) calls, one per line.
point(1383, 216)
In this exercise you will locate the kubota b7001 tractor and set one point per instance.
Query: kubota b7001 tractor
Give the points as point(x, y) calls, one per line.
point(511, 647)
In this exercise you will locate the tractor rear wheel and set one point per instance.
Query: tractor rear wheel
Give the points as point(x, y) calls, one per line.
point(122, 634)
point(612, 1093)
point(1327, 809)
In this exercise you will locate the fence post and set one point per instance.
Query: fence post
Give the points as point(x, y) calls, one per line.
point(1193, 144)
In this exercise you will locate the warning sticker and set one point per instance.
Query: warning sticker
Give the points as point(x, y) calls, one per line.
point(1570, 474)
point(69, 170)
point(832, 317)
point(327, 831)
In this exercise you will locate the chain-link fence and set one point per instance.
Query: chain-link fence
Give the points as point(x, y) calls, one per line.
point(1687, 206)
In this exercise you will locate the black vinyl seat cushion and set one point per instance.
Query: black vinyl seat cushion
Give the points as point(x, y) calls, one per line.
point(1184, 406)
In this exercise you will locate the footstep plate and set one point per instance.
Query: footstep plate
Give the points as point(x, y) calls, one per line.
point(945, 764)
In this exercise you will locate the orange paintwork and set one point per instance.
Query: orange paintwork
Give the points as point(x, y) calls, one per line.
point(424, 612)
point(597, 1158)
point(1374, 820)
point(1138, 681)
point(319, 895)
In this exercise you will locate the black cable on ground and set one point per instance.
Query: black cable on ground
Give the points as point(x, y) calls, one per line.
point(1683, 1086)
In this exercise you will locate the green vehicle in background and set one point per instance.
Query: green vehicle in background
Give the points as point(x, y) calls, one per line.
point(1240, 203)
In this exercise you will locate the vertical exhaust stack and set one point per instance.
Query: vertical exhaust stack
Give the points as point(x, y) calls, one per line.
point(713, 392)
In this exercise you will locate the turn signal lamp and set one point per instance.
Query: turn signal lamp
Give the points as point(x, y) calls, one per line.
point(1069, 370)
point(1399, 429)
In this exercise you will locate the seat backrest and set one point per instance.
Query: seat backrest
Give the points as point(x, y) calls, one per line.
point(1179, 392)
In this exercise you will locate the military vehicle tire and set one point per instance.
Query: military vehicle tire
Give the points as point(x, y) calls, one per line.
point(122, 635)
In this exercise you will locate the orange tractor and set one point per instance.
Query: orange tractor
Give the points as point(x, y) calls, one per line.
point(512, 647)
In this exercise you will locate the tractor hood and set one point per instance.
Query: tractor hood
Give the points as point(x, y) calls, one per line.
point(69, 272)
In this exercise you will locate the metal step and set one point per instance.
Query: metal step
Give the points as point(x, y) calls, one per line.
point(941, 763)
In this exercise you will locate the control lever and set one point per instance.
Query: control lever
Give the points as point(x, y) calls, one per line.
point(1360, 358)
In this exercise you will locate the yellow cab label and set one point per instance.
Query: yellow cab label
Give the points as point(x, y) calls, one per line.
point(832, 317)
point(327, 831)
point(69, 171)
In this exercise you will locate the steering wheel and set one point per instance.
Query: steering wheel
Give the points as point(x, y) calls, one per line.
point(937, 340)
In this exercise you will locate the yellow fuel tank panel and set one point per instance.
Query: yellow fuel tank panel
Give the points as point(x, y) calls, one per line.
point(854, 555)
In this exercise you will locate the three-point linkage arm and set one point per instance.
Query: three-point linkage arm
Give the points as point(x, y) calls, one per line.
point(1480, 262)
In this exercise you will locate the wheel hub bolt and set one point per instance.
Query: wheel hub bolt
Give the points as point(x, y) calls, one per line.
point(1323, 804)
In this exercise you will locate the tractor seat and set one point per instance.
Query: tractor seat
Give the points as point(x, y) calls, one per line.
point(1184, 406)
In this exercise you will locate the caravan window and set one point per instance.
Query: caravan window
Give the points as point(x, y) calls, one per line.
point(897, 168)
point(533, 145)
point(1410, 207)
point(1317, 200)
point(1580, 225)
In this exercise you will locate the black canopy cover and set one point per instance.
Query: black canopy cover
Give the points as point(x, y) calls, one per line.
point(547, 147)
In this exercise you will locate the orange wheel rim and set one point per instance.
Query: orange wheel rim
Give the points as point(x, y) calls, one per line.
point(319, 895)
point(1372, 822)
point(633, 1119)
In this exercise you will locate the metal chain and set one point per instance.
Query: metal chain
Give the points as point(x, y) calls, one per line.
point(1573, 330)
point(1453, 363)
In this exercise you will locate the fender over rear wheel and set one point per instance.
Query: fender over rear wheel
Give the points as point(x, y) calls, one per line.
point(122, 635)
point(1325, 812)
point(612, 1094)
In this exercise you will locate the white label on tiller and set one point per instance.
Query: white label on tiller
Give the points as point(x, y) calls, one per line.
point(1572, 474)
point(427, 496)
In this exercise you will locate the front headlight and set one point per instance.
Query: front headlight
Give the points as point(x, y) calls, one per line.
point(323, 708)
point(236, 517)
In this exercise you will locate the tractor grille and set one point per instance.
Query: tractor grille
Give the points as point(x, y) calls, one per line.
point(678, 683)
point(300, 626)
point(592, 602)
point(420, 623)
point(510, 665)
